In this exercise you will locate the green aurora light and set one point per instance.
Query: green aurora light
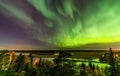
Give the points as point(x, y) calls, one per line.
point(76, 22)
point(96, 22)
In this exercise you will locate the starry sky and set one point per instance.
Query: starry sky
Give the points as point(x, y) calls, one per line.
point(44, 24)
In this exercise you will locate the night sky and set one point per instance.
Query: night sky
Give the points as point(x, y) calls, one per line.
point(44, 24)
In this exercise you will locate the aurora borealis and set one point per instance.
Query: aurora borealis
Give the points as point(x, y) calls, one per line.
point(59, 23)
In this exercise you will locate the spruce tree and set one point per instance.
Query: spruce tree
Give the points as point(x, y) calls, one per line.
point(112, 63)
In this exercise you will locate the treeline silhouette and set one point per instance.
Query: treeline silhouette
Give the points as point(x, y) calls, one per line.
point(27, 65)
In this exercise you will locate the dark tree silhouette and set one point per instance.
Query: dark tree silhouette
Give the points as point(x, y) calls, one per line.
point(112, 63)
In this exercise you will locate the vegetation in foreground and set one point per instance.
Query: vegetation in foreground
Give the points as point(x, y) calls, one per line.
point(27, 65)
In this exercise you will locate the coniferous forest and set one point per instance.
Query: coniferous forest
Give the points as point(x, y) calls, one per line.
point(63, 65)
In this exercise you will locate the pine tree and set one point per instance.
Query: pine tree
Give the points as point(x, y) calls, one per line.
point(112, 63)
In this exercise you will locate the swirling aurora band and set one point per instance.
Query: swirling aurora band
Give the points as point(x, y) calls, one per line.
point(67, 23)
